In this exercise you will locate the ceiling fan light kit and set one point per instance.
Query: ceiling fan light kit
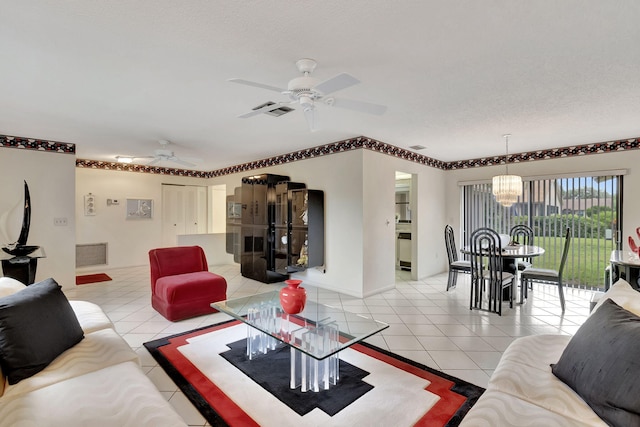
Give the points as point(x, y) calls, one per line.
point(124, 159)
point(306, 90)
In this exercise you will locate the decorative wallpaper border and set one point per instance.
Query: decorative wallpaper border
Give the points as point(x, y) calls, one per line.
point(363, 142)
point(357, 143)
point(552, 153)
point(127, 167)
point(36, 144)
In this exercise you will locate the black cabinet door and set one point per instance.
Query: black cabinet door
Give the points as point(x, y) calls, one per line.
point(258, 259)
point(306, 233)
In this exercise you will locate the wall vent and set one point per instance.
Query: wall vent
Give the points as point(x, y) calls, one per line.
point(91, 254)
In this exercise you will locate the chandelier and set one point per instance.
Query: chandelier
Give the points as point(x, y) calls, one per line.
point(507, 188)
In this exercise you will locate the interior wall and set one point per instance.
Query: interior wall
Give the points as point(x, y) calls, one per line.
point(359, 189)
point(218, 209)
point(378, 223)
point(128, 240)
point(428, 193)
point(340, 177)
point(51, 180)
point(356, 245)
point(628, 160)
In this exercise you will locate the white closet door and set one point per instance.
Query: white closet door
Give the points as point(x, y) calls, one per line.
point(195, 210)
point(173, 221)
point(184, 211)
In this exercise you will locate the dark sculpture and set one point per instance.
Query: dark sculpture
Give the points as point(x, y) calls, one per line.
point(20, 248)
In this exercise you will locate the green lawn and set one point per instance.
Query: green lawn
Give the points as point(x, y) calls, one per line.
point(586, 261)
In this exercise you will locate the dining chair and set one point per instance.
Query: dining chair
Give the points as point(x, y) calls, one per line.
point(522, 234)
point(455, 265)
point(544, 275)
point(487, 272)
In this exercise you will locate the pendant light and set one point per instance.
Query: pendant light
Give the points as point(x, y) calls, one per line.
point(507, 188)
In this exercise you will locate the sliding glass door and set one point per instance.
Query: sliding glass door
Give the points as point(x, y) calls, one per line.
point(589, 205)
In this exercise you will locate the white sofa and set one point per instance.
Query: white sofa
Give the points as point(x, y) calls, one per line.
point(97, 382)
point(524, 392)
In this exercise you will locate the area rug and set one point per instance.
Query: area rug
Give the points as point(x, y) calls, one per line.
point(376, 387)
point(92, 278)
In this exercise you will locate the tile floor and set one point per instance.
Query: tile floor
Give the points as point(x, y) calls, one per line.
point(427, 324)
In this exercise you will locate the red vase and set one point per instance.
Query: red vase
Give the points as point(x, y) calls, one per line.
point(293, 298)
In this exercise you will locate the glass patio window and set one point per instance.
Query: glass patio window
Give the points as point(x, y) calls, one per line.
point(590, 205)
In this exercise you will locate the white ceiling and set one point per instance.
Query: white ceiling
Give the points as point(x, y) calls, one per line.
point(116, 76)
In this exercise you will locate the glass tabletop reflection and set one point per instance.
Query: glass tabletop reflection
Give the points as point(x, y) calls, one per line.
point(264, 313)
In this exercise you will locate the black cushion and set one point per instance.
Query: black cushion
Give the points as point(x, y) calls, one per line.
point(37, 324)
point(602, 364)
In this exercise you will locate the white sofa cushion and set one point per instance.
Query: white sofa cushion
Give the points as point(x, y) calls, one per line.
point(96, 351)
point(537, 351)
point(118, 395)
point(622, 294)
point(90, 316)
point(498, 409)
point(540, 387)
point(9, 286)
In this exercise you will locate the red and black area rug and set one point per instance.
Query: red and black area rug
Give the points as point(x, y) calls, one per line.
point(376, 387)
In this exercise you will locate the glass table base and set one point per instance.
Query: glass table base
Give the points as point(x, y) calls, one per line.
point(308, 373)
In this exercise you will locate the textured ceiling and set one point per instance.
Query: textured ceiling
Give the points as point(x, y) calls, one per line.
point(116, 76)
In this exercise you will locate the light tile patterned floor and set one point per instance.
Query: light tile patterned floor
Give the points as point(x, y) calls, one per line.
point(427, 324)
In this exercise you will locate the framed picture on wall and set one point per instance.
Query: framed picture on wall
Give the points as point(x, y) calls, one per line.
point(139, 208)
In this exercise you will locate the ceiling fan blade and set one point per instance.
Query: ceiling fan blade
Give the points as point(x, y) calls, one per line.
point(334, 84)
point(255, 84)
point(264, 109)
point(363, 107)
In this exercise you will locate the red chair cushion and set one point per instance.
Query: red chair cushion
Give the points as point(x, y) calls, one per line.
point(187, 286)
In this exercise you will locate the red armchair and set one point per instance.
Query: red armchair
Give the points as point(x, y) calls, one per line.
point(181, 284)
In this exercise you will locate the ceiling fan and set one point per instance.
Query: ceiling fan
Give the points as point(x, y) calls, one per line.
point(160, 155)
point(306, 90)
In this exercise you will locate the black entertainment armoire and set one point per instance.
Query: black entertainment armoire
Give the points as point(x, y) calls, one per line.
point(280, 229)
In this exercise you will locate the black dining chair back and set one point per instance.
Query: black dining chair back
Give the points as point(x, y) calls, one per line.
point(565, 252)
point(455, 265)
point(521, 234)
point(544, 275)
point(487, 272)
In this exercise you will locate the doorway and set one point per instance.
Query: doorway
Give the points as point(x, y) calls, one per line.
point(404, 210)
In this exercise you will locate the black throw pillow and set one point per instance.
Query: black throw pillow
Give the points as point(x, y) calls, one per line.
point(37, 324)
point(602, 364)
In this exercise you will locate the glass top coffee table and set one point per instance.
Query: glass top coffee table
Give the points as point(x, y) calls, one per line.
point(315, 336)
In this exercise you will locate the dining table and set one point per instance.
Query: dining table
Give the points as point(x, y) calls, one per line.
point(510, 253)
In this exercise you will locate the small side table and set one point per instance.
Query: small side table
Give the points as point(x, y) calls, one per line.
point(625, 266)
point(22, 268)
